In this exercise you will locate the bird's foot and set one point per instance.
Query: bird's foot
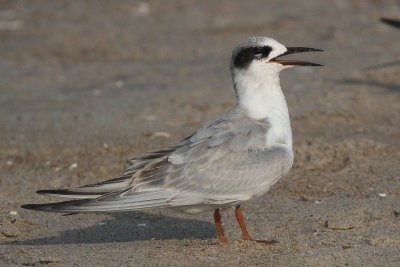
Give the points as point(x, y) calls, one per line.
point(222, 239)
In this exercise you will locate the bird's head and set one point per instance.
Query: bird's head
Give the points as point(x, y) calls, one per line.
point(261, 56)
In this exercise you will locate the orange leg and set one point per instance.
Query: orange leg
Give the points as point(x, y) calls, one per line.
point(246, 236)
point(217, 220)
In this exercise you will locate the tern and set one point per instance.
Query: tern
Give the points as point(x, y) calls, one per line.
point(226, 162)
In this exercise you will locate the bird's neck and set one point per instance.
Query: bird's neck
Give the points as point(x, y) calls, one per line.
point(261, 97)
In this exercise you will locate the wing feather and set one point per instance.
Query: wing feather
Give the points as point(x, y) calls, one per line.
point(227, 159)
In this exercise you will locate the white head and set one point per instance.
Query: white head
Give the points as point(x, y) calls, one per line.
point(255, 67)
point(257, 57)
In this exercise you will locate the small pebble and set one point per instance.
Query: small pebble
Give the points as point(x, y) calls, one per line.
point(160, 134)
point(319, 201)
point(96, 92)
point(382, 194)
point(13, 212)
point(142, 9)
point(119, 84)
point(73, 166)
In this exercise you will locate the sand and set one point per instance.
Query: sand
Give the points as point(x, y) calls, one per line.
point(84, 85)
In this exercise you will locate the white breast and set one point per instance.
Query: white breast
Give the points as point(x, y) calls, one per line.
point(264, 99)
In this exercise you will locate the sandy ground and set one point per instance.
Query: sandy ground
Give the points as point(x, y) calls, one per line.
point(87, 84)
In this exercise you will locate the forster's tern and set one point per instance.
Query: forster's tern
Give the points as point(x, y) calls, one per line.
point(232, 159)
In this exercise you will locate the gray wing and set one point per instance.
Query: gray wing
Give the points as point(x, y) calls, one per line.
point(226, 161)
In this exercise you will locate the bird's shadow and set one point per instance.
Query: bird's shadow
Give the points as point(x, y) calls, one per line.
point(125, 227)
point(392, 87)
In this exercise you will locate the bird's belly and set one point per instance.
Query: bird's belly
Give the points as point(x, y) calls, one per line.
point(258, 172)
point(238, 178)
point(272, 165)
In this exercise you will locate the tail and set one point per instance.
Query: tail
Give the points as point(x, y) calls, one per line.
point(124, 200)
point(91, 190)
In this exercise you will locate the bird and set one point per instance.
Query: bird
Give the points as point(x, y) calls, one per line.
point(392, 22)
point(226, 162)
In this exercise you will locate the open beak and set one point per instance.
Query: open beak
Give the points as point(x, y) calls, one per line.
point(293, 50)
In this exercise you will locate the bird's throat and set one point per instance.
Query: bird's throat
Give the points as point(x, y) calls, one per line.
point(259, 97)
point(264, 99)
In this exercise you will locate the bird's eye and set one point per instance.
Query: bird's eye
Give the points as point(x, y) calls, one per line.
point(262, 52)
point(258, 52)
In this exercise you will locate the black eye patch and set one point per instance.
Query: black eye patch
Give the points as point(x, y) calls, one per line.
point(244, 57)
